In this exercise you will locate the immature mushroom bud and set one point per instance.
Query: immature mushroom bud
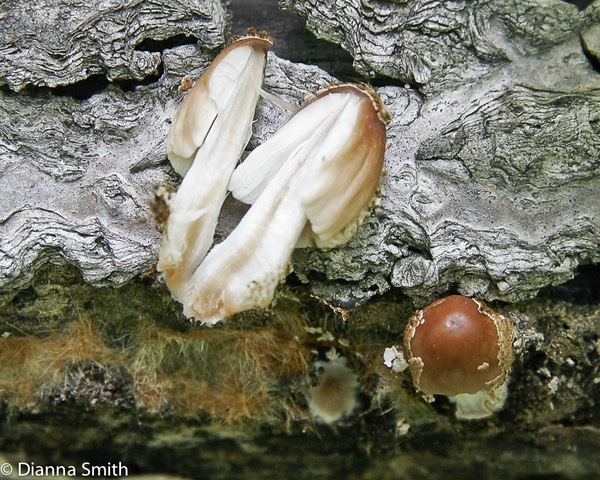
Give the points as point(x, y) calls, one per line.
point(211, 129)
point(334, 397)
point(460, 348)
point(314, 178)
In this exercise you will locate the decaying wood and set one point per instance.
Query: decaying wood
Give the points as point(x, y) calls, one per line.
point(491, 169)
point(439, 45)
point(492, 164)
point(57, 42)
point(78, 175)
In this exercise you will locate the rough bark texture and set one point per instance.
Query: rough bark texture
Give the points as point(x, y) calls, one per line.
point(54, 42)
point(492, 164)
point(78, 174)
point(491, 188)
point(490, 184)
point(440, 45)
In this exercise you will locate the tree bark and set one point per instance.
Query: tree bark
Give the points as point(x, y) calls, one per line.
point(491, 165)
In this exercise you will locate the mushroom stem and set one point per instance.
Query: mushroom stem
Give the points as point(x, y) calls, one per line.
point(244, 270)
point(472, 406)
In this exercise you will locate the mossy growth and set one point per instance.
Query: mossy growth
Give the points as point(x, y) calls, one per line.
point(130, 346)
point(63, 341)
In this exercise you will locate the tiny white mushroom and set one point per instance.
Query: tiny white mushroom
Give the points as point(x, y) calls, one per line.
point(205, 142)
point(334, 396)
point(313, 179)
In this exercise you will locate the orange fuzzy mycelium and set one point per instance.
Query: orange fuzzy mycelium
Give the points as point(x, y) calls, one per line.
point(33, 367)
point(231, 375)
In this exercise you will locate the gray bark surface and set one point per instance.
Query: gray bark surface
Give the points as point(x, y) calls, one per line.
point(78, 175)
point(491, 178)
point(492, 163)
point(56, 42)
point(490, 186)
point(439, 45)
point(78, 178)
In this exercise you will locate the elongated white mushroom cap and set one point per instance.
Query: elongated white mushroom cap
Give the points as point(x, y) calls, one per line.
point(345, 125)
point(212, 128)
point(211, 96)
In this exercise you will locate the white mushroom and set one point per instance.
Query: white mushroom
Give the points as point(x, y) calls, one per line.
point(314, 178)
point(335, 395)
point(205, 142)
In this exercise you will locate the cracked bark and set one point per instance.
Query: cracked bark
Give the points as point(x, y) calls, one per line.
point(78, 175)
point(491, 188)
point(439, 45)
point(491, 165)
point(54, 42)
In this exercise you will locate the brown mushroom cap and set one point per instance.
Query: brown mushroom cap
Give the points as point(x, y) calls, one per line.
point(457, 345)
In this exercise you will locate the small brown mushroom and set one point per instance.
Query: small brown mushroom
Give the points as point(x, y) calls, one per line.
point(459, 347)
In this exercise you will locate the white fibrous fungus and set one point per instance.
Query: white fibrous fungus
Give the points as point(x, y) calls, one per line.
point(460, 348)
point(205, 142)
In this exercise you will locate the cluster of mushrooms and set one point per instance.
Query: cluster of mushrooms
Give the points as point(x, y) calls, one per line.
point(309, 184)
